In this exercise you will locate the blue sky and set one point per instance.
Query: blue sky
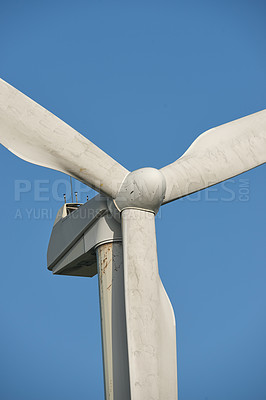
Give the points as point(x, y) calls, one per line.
point(141, 80)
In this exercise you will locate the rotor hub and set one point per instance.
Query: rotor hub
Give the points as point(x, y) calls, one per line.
point(143, 189)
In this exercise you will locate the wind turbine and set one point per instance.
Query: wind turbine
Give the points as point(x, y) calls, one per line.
point(138, 324)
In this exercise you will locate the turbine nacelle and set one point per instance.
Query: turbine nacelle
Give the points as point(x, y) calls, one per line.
point(142, 189)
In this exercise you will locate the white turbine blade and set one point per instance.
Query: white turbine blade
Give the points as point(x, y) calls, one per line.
point(217, 155)
point(150, 319)
point(35, 135)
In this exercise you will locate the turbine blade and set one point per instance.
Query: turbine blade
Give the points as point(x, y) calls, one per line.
point(35, 135)
point(217, 155)
point(150, 318)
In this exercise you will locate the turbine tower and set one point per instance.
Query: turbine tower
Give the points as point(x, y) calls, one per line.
point(138, 324)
